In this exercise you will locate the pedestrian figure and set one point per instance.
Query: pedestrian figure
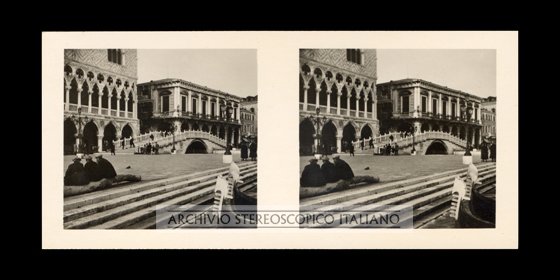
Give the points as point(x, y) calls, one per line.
point(343, 170)
point(328, 170)
point(253, 150)
point(351, 148)
point(371, 142)
point(244, 150)
point(92, 170)
point(112, 148)
point(312, 176)
point(75, 174)
point(132, 143)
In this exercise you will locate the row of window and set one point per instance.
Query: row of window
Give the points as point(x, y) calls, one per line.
point(355, 56)
point(165, 106)
point(487, 117)
point(249, 129)
point(247, 117)
point(115, 56)
point(424, 107)
point(489, 130)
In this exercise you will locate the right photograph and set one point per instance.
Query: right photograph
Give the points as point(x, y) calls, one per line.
point(398, 138)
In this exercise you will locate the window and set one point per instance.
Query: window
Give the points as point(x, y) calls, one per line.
point(405, 104)
point(165, 103)
point(354, 55)
point(115, 56)
point(475, 114)
point(193, 102)
point(204, 107)
point(213, 109)
point(434, 106)
point(424, 103)
point(183, 103)
point(444, 108)
point(453, 109)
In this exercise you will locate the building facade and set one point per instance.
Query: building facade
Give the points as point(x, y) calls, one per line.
point(424, 106)
point(489, 117)
point(178, 105)
point(249, 116)
point(337, 99)
point(100, 98)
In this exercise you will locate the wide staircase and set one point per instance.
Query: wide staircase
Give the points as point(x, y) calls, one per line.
point(407, 141)
point(134, 205)
point(430, 196)
point(167, 140)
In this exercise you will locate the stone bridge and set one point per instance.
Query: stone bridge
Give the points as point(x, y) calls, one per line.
point(188, 141)
point(427, 142)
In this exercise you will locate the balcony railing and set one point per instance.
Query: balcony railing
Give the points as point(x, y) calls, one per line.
point(121, 114)
point(114, 113)
point(130, 115)
point(333, 110)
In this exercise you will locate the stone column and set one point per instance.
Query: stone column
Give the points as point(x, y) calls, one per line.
point(126, 107)
point(118, 104)
point(89, 100)
point(457, 109)
point(189, 102)
point(357, 106)
point(109, 103)
point(338, 94)
point(305, 88)
point(99, 143)
point(348, 105)
point(199, 105)
point(338, 143)
point(99, 104)
point(365, 107)
point(177, 101)
point(328, 101)
point(430, 107)
point(316, 143)
point(440, 105)
point(448, 107)
point(79, 96)
point(217, 106)
point(135, 109)
point(317, 93)
point(239, 113)
point(417, 101)
point(67, 94)
point(373, 109)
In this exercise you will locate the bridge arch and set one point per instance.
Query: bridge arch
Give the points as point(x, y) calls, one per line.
point(197, 146)
point(437, 147)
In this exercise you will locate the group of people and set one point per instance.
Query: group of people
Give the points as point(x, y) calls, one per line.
point(390, 149)
point(77, 174)
point(314, 175)
point(248, 150)
point(488, 151)
point(149, 149)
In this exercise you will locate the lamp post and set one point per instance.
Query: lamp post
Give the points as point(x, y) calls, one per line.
point(173, 128)
point(413, 131)
point(79, 135)
point(318, 122)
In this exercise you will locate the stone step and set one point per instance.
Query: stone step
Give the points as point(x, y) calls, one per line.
point(102, 195)
point(411, 195)
point(383, 191)
point(179, 187)
point(147, 217)
point(193, 192)
point(425, 202)
point(332, 198)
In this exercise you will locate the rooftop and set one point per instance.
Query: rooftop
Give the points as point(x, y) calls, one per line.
point(414, 80)
point(191, 84)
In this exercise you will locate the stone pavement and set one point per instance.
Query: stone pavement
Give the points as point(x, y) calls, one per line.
point(392, 168)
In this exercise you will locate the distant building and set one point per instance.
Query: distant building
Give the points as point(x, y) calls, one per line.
point(249, 116)
point(178, 105)
point(100, 100)
point(489, 117)
point(426, 106)
point(336, 98)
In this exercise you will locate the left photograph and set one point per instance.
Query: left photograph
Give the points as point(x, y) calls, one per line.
point(160, 139)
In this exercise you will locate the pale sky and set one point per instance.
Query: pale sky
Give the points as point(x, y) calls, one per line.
point(472, 71)
point(231, 71)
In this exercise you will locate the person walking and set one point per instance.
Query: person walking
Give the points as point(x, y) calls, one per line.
point(132, 143)
point(112, 148)
point(253, 150)
point(351, 148)
point(484, 151)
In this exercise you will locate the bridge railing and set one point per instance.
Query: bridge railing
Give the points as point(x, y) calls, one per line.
point(403, 139)
point(163, 140)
